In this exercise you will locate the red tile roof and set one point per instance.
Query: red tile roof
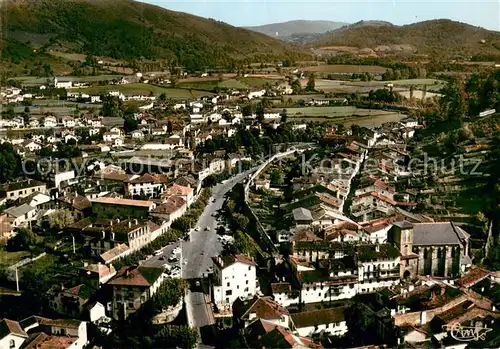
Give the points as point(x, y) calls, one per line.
point(265, 308)
point(11, 327)
point(136, 276)
point(472, 277)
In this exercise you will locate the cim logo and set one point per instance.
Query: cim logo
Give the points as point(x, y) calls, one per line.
point(467, 334)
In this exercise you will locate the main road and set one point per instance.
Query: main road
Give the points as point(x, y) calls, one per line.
point(203, 244)
point(199, 250)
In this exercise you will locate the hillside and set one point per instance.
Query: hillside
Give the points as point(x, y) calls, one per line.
point(126, 29)
point(437, 38)
point(287, 30)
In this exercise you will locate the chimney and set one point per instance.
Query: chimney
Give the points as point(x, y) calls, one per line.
point(129, 224)
point(136, 221)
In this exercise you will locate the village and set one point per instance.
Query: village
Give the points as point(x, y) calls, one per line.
point(232, 216)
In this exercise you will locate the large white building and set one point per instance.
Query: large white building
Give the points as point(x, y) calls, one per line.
point(235, 277)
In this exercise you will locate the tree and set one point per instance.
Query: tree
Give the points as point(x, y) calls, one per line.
point(10, 162)
point(130, 124)
point(61, 219)
point(296, 88)
point(284, 116)
point(260, 112)
point(311, 84)
point(360, 321)
point(24, 240)
point(247, 110)
point(112, 106)
point(241, 221)
point(176, 336)
point(27, 110)
point(453, 105)
point(170, 128)
point(162, 97)
point(275, 177)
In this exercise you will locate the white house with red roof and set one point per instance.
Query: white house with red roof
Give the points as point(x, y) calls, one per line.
point(12, 336)
point(235, 277)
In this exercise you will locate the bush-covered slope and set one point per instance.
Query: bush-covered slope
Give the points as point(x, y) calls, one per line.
point(127, 29)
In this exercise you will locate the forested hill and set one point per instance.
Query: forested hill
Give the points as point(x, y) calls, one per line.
point(444, 38)
point(127, 29)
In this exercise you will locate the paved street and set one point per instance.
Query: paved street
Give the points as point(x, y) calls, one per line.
point(199, 306)
point(203, 244)
point(160, 260)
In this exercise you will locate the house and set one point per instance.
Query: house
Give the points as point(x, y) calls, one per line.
point(68, 122)
point(33, 122)
point(96, 312)
point(262, 184)
point(95, 99)
point(197, 118)
point(256, 93)
point(107, 234)
point(265, 334)
point(20, 216)
point(12, 336)
point(54, 333)
point(50, 121)
point(62, 83)
point(32, 146)
point(113, 207)
point(171, 209)
point(69, 301)
point(16, 122)
point(409, 122)
point(132, 287)
point(234, 277)
point(137, 134)
point(92, 121)
point(187, 193)
point(110, 136)
point(174, 142)
point(147, 184)
point(245, 312)
point(100, 272)
point(329, 320)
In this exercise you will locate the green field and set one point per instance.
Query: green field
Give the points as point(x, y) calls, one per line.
point(237, 83)
point(331, 112)
point(344, 115)
point(207, 85)
point(130, 89)
point(258, 82)
point(10, 258)
point(233, 83)
point(36, 80)
point(407, 82)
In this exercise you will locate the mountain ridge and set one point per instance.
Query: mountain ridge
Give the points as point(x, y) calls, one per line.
point(440, 37)
point(287, 30)
point(127, 29)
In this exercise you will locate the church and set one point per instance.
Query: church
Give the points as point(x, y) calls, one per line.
point(436, 249)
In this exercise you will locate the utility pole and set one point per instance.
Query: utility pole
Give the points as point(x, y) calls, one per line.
point(17, 280)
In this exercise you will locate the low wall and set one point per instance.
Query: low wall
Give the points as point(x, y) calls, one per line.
point(168, 315)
